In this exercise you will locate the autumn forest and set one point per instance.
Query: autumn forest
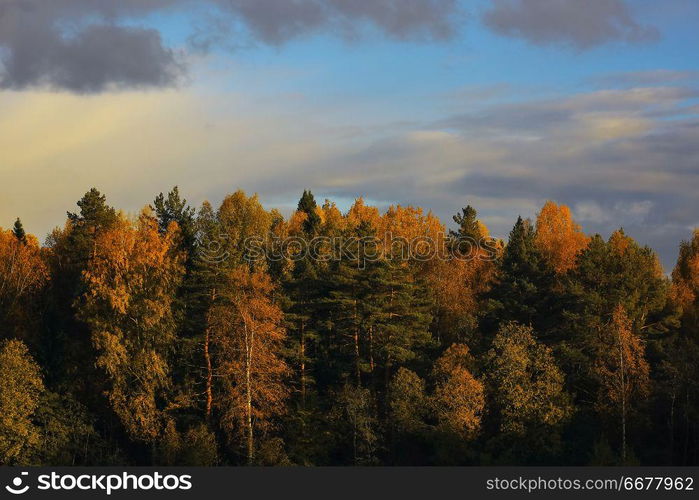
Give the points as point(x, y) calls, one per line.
point(165, 338)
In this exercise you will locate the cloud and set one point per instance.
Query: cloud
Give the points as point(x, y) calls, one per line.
point(100, 57)
point(648, 77)
point(277, 21)
point(617, 157)
point(580, 24)
point(75, 45)
point(88, 46)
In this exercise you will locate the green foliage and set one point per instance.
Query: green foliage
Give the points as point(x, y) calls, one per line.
point(408, 401)
point(523, 291)
point(67, 436)
point(160, 341)
point(18, 231)
point(528, 402)
point(308, 205)
point(355, 423)
point(21, 387)
point(468, 224)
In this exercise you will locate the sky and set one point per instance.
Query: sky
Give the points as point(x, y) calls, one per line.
point(500, 104)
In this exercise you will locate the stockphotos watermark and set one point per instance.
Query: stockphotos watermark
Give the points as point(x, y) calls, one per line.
point(105, 483)
point(390, 248)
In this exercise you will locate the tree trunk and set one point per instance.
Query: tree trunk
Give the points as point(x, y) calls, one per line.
point(249, 339)
point(207, 358)
point(672, 428)
point(623, 402)
point(357, 363)
point(302, 355)
point(371, 349)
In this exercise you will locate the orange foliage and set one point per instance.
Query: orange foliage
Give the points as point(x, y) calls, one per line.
point(23, 274)
point(131, 281)
point(685, 276)
point(359, 212)
point(558, 237)
point(248, 335)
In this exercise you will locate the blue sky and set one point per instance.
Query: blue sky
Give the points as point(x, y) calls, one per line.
point(502, 104)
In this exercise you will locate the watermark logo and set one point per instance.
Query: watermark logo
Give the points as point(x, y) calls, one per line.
point(104, 483)
point(16, 487)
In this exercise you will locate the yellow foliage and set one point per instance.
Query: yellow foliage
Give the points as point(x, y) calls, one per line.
point(558, 237)
point(130, 283)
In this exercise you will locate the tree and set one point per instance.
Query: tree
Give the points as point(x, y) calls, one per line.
point(685, 285)
point(308, 207)
point(622, 371)
point(354, 414)
point(23, 281)
point(240, 218)
point(460, 282)
point(529, 402)
point(131, 283)
point(522, 291)
point(408, 403)
point(399, 309)
point(347, 288)
point(469, 226)
point(248, 335)
point(459, 398)
point(679, 367)
point(94, 218)
point(21, 386)
point(175, 209)
point(68, 341)
point(558, 238)
point(18, 231)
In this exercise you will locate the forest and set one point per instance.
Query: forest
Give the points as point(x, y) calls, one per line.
point(209, 336)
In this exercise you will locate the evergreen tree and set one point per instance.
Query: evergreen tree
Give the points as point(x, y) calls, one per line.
point(399, 318)
point(67, 343)
point(469, 226)
point(18, 231)
point(175, 209)
point(523, 287)
point(308, 206)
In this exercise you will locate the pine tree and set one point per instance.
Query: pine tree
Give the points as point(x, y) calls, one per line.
point(18, 231)
point(399, 317)
point(523, 287)
point(175, 209)
point(348, 293)
point(68, 342)
point(308, 206)
point(469, 226)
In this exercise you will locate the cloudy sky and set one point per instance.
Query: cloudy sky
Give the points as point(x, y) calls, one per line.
point(501, 104)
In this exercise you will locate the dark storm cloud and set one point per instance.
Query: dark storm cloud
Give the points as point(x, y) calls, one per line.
point(84, 46)
point(581, 24)
point(97, 58)
point(75, 45)
point(276, 21)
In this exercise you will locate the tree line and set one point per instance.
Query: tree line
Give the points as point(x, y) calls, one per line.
point(156, 339)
